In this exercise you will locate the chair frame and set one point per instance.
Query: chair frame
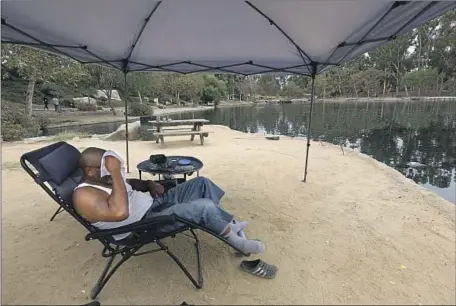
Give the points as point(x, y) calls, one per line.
point(143, 232)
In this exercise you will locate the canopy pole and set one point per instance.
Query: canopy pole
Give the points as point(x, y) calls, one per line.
point(126, 122)
point(312, 99)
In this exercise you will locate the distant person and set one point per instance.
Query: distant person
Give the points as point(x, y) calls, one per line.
point(55, 101)
point(46, 103)
point(410, 174)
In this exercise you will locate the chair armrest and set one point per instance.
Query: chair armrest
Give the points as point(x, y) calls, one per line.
point(134, 227)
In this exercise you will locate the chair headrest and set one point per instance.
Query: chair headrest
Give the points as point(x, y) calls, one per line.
point(55, 162)
point(60, 163)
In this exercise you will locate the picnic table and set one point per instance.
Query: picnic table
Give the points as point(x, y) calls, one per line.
point(164, 128)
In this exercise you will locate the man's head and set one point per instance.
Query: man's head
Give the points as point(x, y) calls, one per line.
point(90, 162)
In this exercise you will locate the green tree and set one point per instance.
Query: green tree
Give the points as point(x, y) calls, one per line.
point(174, 84)
point(269, 85)
point(394, 59)
point(143, 84)
point(443, 55)
point(300, 81)
point(291, 90)
point(421, 79)
point(106, 79)
point(233, 83)
point(214, 89)
point(34, 65)
point(249, 87)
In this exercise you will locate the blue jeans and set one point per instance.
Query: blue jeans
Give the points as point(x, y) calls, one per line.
point(198, 201)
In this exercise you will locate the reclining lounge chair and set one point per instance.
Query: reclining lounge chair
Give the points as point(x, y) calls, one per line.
point(56, 170)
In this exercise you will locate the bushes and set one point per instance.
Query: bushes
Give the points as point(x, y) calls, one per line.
point(16, 126)
point(86, 107)
point(210, 94)
point(137, 109)
point(213, 90)
point(12, 132)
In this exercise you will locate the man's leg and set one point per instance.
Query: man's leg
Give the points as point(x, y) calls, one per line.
point(203, 212)
point(197, 188)
point(206, 213)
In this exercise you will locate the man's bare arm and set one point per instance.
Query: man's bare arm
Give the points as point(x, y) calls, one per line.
point(96, 205)
point(139, 185)
point(154, 188)
point(118, 200)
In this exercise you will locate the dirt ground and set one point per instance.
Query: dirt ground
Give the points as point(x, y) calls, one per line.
point(356, 233)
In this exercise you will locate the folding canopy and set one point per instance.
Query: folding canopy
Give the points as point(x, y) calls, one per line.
point(230, 36)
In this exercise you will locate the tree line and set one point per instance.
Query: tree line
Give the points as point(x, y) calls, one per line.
point(421, 63)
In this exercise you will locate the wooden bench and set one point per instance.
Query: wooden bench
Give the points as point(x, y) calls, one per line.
point(161, 135)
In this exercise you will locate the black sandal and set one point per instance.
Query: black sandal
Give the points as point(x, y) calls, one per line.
point(259, 268)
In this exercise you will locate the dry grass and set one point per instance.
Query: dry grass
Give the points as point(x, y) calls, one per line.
point(68, 135)
point(11, 165)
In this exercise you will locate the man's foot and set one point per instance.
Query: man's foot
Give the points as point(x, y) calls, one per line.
point(250, 246)
point(238, 226)
point(244, 245)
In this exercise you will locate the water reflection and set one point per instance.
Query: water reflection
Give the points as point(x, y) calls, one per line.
point(417, 139)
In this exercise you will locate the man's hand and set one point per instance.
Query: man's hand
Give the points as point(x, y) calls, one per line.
point(155, 189)
point(112, 164)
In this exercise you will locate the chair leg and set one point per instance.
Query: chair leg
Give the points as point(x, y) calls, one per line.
point(58, 211)
point(197, 226)
point(198, 284)
point(105, 276)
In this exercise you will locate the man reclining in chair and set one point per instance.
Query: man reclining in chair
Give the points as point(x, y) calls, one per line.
point(122, 202)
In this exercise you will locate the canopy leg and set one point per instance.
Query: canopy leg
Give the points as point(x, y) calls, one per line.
point(126, 123)
point(312, 98)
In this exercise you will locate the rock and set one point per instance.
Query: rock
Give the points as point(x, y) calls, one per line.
point(133, 131)
point(272, 137)
point(414, 164)
point(102, 94)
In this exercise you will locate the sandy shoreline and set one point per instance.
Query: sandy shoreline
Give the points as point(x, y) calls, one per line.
point(357, 233)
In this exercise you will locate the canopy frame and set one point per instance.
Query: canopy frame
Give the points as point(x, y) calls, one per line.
point(312, 65)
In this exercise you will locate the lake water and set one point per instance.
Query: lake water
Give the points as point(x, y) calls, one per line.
point(417, 139)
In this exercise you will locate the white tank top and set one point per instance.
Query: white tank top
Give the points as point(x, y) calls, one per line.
point(138, 204)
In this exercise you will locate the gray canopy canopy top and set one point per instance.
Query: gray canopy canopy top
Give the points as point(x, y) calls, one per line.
point(222, 36)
